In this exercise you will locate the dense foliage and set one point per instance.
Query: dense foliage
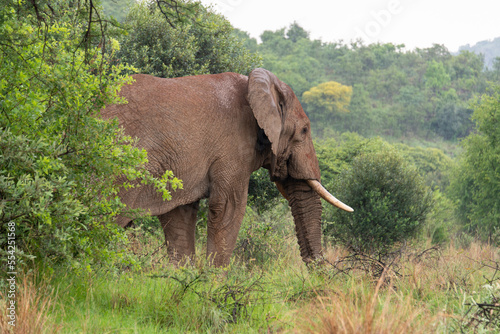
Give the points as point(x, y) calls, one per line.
point(59, 161)
point(396, 92)
point(390, 199)
point(327, 100)
point(476, 183)
point(203, 45)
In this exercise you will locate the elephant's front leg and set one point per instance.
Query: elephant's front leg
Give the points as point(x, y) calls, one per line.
point(226, 211)
point(179, 226)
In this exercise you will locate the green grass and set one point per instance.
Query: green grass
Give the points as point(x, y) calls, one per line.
point(195, 299)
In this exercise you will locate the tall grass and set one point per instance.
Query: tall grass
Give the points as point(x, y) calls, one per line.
point(359, 309)
point(34, 304)
point(428, 291)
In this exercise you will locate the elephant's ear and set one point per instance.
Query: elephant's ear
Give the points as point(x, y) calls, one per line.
point(264, 96)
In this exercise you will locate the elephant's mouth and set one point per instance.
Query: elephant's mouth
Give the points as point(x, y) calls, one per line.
point(323, 193)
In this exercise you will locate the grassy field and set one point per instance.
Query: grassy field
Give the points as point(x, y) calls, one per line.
point(267, 289)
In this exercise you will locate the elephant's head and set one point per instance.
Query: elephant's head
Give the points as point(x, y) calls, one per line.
point(292, 161)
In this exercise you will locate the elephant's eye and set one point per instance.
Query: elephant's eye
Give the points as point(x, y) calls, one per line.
point(281, 107)
point(304, 130)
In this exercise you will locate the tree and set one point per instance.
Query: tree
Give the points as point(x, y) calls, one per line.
point(413, 105)
point(452, 121)
point(385, 83)
point(432, 163)
point(296, 32)
point(436, 52)
point(436, 78)
point(476, 183)
point(205, 44)
point(247, 41)
point(467, 64)
point(494, 73)
point(297, 72)
point(326, 100)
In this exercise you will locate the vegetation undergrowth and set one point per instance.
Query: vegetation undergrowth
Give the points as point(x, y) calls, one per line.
point(422, 288)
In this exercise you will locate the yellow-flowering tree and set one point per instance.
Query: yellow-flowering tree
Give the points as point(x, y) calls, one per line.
point(326, 100)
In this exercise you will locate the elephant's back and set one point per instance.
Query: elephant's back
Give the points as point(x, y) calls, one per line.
point(151, 99)
point(179, 120)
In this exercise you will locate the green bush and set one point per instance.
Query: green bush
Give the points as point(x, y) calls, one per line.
point(59, 161)
point(475, 183)
point(389, 198)
point(441, 226)
point(432, 163)
point(262, 192)
point(261, 235)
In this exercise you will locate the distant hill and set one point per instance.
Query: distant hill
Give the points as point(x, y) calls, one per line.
point(490, 49)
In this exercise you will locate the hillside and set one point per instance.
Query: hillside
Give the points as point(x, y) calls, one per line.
point(489, 48)
point(399, 94)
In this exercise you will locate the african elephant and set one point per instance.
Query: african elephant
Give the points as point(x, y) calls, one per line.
point(213, 131)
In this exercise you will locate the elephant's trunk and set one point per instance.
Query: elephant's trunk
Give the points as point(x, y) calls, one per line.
point(306, 210)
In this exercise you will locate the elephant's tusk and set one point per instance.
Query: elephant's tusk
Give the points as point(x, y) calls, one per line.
point(317, 187)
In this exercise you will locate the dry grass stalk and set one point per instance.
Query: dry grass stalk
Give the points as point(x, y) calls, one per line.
point(33, 304)
point(358, 311)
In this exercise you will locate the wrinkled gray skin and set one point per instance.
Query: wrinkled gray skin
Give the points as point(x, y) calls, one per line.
point(213, 131)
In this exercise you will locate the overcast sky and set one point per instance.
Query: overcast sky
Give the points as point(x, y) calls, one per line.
point(415, 23)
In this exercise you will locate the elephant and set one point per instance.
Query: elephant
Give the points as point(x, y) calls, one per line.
point(213, 131)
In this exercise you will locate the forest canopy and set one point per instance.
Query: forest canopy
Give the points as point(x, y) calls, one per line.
point(396, 92)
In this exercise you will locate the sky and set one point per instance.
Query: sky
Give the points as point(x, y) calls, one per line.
point(415, 23)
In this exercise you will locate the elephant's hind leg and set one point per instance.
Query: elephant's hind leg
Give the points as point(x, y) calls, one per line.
point(179, 226)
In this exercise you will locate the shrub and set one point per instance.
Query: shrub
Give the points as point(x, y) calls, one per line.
point(441, 225)
point(262, 192)
point(58, 160)
point(261, 235)
point(475, 183)
point(389, 198)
